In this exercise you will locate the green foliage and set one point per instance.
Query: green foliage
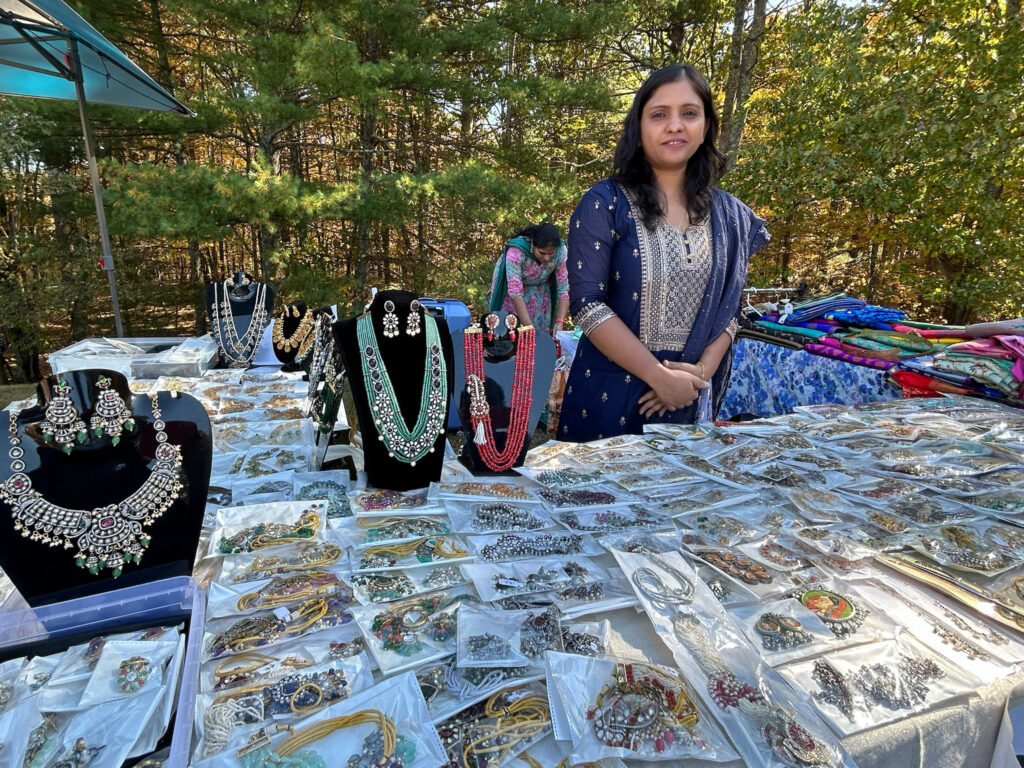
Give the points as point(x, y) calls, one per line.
point(343, 144)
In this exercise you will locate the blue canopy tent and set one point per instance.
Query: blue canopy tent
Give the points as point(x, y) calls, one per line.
point(49, 51)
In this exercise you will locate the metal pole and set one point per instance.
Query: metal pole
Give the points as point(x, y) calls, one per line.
point(97, 192)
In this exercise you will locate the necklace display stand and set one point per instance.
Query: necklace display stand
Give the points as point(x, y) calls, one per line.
point(239, 311)
point(500, 369)
point(97, 473)
point(294, 335)
point(404, 359)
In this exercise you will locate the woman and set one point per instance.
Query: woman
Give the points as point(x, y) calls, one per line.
point(530, 278)
point(657, 263)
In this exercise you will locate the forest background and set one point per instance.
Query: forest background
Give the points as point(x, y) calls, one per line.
point(343, 144)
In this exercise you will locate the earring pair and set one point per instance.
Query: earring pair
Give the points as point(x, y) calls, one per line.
point(511, 323)
point(64, 425)
point(412, 323)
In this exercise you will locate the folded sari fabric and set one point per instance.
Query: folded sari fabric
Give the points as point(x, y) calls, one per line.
point(826, 350)
point(910, 342)
point(919, 385)
point(813, 308)
point(917, 325)
point(987, 371)
point(999, 328)
point(868, 316)
point(933, 333)
point(796, 330)
point(989, 347)
point(925, 366)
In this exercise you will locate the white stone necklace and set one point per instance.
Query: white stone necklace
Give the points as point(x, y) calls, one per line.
point(106, 537)
point(239, 350)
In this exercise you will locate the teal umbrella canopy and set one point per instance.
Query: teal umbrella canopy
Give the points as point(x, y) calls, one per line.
point(38, 42)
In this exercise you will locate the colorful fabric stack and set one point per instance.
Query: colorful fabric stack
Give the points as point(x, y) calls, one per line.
point(848, 329)
point(989, 363)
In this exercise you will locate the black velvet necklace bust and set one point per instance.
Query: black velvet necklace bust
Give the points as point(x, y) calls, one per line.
point(499, 368)
point(404, 359)
point(243, 293)
point(96, 474)
point(294, 334)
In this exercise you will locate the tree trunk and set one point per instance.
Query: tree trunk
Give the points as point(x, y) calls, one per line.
point(368, 137)
point(751, 53)
point(733, 78)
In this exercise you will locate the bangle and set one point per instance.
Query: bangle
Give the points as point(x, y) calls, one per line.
point(702, 369)
point(559, 319)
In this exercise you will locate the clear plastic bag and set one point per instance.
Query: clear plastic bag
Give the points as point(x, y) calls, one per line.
point(492, 731)
point(869, 685)
point(587, 638)
point(388, 586)
point(614, 519)
point(428, 550)
point(288, 590)
point(386, 503)
point(282, 560)
point(496, 516)
point(516, 546)
point(287, 696)
point(279, 482)
point(413, 632)
point(264, 629)
point(565, 499)
point(722, 528)
point(496, 490)
point(364, 532)
point(562, 473)
point(489, 638)
point(252, 528)
point(783, 630)
point(330, 486)
point(522, 577)
point(631, 710)
point(377, 726)
point(767, 722)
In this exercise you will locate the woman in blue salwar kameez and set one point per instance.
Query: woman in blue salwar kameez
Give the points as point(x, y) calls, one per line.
point(657, 263)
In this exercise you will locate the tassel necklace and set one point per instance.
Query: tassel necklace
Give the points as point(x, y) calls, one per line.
point(519, 404)
point(406, 445)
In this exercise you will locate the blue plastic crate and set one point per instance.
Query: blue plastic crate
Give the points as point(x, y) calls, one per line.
point(458, 317)
point(107, 612)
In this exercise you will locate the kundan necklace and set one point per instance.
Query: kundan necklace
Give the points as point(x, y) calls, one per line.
point(519, 404)
point(108, 536)
point(301, 339)
point(238, 350)
point(406, 445)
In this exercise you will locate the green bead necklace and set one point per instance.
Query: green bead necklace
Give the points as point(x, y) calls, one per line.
point(406, 445)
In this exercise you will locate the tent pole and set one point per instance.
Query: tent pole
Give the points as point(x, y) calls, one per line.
point(97, 192)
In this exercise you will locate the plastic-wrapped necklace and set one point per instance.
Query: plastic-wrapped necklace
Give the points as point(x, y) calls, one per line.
point(107, 536)
point(519, 403)
point(406, 445)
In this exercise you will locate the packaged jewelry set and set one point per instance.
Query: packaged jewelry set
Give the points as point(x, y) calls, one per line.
point(480, 517)
point(249, 529)
point(360, 533)
point(392, 585)
point(99, 703)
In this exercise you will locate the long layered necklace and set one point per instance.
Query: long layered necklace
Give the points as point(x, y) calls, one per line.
point(519, 404)
point(301, 339)
point(239, 350)
point(406, 445)
point(106, 537)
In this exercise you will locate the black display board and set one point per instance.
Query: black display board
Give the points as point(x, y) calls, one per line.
point(404, 357)
point(98, 473)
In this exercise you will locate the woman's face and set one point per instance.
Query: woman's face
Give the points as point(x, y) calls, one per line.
point(672, 125)
point(543, 253)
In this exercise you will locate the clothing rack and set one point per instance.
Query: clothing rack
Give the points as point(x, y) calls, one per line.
point(798, 291)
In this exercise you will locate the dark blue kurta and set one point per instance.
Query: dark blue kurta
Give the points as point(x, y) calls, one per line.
point(617, 266)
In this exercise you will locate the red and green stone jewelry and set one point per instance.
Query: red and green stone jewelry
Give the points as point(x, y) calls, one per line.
point(106, 537)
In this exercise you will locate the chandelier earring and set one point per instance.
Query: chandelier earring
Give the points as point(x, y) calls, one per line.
point(390, 320)
point(412, 326)
point(491, 322)
point(112, 414)
point(511, 323)
point(63, 424)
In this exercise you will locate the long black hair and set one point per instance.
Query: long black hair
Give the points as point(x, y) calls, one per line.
point(631, 169)
point(543, 235)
